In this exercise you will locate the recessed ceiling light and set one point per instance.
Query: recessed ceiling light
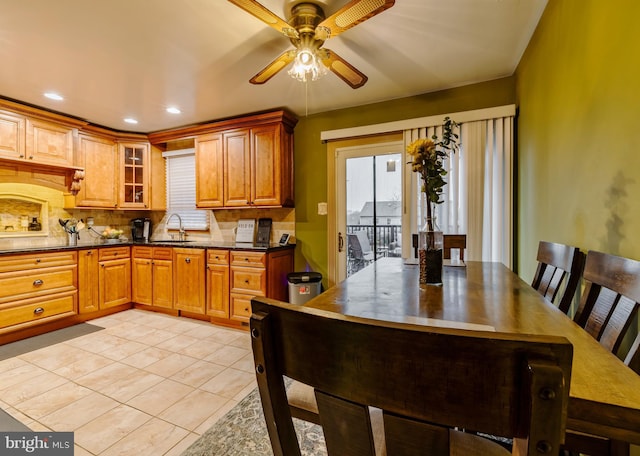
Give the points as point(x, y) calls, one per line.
point(173, 110)
point(53, 96)
point(130, 120)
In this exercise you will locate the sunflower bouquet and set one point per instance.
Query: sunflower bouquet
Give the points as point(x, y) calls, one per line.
point(427, 158)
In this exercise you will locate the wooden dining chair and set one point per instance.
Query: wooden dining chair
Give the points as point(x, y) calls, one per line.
point(558, 265)
point(611, 298)
point(402, 389)
point(607, 309)
point(453, 241)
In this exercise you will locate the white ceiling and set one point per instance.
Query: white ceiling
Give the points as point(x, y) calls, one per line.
point(112, 59)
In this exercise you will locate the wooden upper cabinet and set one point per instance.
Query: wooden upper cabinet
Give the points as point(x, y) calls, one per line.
point(12, 128)
point(49, 143)
point(237, 191)
point(242, 162)
point(99, 158)
point(37, 141)
point(266, 166)
point(134, 176)
point(209, 171)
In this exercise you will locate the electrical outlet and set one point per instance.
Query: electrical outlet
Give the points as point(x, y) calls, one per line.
point(89, 222)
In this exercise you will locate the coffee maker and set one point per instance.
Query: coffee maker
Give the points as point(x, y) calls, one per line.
point(141, 229)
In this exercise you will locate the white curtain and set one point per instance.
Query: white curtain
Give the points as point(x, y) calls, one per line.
point(478, 197)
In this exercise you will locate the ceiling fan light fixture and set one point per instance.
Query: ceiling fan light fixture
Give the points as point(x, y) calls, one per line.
point(307, 66)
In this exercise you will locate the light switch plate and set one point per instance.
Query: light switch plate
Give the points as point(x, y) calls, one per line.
point(322, 208)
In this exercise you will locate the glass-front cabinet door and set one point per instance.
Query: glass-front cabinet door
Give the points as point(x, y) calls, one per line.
point(134, 177)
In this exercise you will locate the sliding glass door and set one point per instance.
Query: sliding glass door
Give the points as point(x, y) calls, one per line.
point(369, 200)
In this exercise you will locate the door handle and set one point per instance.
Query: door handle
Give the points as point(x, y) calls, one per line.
point(340, 242)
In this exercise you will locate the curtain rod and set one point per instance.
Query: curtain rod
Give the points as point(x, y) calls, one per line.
point(420, 122)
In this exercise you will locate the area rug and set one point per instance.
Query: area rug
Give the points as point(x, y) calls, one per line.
point(47, 339)
point(243, 432)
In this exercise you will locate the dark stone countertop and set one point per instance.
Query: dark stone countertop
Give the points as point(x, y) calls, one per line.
point(183, 244)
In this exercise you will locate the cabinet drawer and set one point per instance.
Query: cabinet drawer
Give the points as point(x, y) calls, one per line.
point(142, 252)
point(249, 280)
point(38, 309)
point(163, 253)
point(37, 261)
point(23, 284)
point(240, 307)
point(254, 259)
point(113, 253)
point(218, 257)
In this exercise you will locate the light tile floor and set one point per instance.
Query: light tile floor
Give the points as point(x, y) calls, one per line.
point(148, 384)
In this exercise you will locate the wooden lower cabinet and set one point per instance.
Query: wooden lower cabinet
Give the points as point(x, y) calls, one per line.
point(88, 287)
point(152, 276)
point(254, 273)
point(189, 280)
point(37, 288)
point(217, 295)
point(114, 276)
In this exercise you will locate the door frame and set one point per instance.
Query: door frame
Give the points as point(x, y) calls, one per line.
point(333, 148)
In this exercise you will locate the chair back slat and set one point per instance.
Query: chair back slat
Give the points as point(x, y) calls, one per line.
point(416, 372)
point(619, 322)
point(633, 356)
point(601, 308)
point(558, 265)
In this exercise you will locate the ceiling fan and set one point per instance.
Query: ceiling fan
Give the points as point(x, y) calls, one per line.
point(308, 29)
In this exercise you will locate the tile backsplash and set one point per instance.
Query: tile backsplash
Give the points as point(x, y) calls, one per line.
point(222, 223)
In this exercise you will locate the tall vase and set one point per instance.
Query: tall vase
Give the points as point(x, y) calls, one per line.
point(430, 253)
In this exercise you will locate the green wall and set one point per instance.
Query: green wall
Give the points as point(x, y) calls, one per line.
point(579, 107)
point(311, 160)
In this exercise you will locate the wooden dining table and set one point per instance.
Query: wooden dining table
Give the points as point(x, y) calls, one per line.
point(604, 393)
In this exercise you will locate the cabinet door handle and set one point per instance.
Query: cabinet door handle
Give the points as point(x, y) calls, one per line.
point(37, 282)
point(38, 310)
point(246, 281)
point(187, 260)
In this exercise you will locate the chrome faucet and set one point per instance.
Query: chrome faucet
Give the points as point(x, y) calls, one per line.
point(181, 230)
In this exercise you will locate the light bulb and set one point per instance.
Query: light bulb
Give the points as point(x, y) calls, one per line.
point(307, 66)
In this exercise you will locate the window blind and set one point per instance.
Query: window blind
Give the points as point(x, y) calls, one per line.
point(181, 191)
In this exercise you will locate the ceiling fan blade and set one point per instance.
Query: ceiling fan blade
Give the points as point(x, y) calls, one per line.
point(270, 70)
point(343, 69)
point(266, 16)
point(349, 16)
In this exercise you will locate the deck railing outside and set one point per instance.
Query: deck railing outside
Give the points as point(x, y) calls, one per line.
point(387, 243)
